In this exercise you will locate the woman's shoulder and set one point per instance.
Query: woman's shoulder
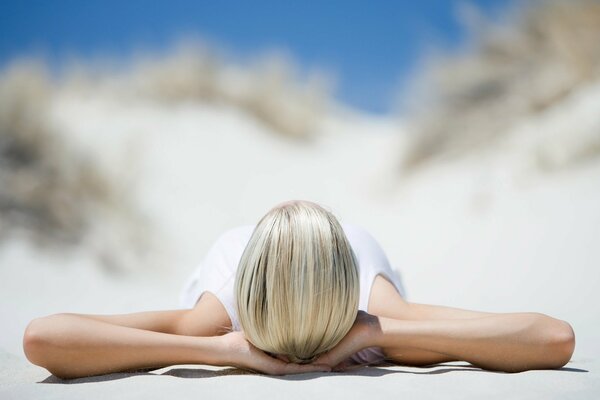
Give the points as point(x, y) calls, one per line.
point(358, 234)
point(239, 233)
point(227, 249)
point(365, 246)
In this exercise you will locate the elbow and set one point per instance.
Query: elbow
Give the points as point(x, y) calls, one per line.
point(38, 340)
point(561, 344)
point(44, 345)
point(35, 340)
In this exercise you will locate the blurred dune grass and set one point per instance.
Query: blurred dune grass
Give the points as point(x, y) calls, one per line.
point(535, 74)
point(536, 66)
point(56, 195)
point(50, 192)
point(268, 87)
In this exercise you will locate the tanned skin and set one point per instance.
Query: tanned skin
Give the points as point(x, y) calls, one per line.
point(77, 345)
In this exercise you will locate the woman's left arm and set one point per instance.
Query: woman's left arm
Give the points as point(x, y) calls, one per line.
point(507, 342)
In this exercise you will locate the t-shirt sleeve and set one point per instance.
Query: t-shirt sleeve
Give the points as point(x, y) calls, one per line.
point(372, 261)
point(216, 272)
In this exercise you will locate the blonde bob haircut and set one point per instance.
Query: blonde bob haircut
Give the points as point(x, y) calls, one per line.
point(297, 284)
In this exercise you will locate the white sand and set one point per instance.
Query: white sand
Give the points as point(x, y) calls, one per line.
point(488, 232)
point(451, 381)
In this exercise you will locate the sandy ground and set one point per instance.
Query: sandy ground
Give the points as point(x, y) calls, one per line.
point(488, 232)
point(455, 380)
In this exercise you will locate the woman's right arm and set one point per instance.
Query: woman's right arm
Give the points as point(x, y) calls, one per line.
point(75, 345)
point(70, 346)
point(207, 318)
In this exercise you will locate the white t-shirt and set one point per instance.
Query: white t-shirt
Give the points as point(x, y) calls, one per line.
point(216, 273)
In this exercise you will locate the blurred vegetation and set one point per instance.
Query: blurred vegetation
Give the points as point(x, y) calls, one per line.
point(45, 188)
point(268, 88)
point(533, 63)
point(58, 196)
point(50, 192)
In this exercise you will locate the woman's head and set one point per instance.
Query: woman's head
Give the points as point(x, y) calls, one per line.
point(297, 282)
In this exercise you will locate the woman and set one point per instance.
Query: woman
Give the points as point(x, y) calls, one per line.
point(297, 293)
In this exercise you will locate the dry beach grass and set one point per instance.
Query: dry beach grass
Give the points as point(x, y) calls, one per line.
point(57, 195)
point(529, 66)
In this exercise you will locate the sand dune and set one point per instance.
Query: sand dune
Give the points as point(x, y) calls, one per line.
point(513, 225)
point(477, 233)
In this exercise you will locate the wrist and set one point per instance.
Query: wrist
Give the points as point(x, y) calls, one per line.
point(380, 333)
point(372, 333)
point(396, 333)
point(212, 350)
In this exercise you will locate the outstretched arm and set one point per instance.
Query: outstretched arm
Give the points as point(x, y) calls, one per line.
point(72, 345)
point(524, 340)
point(420, 334)
point(505, 342)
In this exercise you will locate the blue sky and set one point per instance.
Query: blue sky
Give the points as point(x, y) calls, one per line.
point(370, 46)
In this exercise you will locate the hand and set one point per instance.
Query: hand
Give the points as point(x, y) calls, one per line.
point(240, 353)
point(361, 335)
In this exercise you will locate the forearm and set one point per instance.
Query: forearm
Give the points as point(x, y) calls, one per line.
point(419, 311)
point(73, 346)
point(507, 342)
point(158, 321)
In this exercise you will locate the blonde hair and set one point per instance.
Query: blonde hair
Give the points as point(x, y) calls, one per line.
point(297, 284)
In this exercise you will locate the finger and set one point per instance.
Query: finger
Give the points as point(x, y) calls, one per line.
point(334, 356)
point(278, 367)
point(343, 366)
point(268, 364)
point(347, 365)
point(292, 368)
